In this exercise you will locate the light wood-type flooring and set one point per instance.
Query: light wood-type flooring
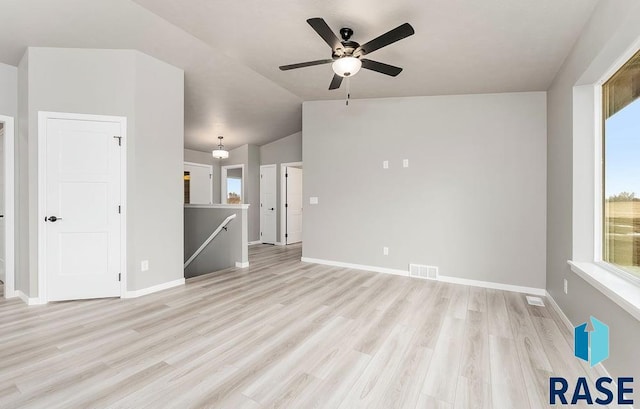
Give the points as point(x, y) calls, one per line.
point(286, 334)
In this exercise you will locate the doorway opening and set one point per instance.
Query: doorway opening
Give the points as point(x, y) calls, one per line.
point(7, 206)
point(291, 202)
point(232, 184)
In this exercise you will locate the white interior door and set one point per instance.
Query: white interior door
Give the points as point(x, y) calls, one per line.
point(200, 186)
point(268, 204)
point(294, 206)
point(82, 225)
point(3, 268)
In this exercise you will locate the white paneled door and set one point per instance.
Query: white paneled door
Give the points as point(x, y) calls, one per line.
point(200, 183)
point(294, 205)
point(268, 204)
point(82, 205)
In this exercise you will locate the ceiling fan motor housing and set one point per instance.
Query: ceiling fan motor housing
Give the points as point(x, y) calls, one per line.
point(346, 33)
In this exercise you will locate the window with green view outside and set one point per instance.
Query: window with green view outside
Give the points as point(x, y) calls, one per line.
point(621, 168)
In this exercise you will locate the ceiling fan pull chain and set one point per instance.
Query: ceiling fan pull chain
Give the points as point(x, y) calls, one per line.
point(348, 91)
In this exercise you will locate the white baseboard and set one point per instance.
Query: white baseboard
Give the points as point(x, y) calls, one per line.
point(28, 300)
point(240, 264)
point(557, 309)
point(251, 243)
point(154, 289)
point(493, 286)
point(446, 279)
point(355, 266)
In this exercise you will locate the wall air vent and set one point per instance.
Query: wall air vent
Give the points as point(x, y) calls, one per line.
point(537, 301)
point(422, 271)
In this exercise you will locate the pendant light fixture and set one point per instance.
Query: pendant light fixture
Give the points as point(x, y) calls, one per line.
point(220, 153)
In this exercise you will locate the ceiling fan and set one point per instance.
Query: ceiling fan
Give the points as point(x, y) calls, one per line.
point(347, 56)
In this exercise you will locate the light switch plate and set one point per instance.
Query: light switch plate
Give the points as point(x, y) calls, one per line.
point(385, 164)
point(313, 200)
point(144, 265)
point(405, 163)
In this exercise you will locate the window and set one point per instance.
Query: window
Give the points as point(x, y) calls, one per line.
point(621, 168)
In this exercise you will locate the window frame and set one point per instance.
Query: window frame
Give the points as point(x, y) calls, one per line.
point(600, 164)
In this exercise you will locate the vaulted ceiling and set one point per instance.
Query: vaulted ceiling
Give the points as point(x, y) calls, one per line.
point(231, 50)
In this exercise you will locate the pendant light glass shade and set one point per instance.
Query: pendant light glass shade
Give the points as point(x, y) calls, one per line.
point(346, 66)
point(220, 153)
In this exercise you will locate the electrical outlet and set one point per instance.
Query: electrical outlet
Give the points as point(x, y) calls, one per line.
point(385, 164)
point(385, 251)
point(144, 265)
point(566, 286)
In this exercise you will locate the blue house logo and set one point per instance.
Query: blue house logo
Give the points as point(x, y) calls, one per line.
point(591, 346)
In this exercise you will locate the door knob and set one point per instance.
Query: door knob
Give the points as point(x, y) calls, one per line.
point(272, 208)
point(52, 219)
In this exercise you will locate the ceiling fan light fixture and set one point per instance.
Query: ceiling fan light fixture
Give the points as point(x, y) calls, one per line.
point(347, 66)
point(220, 153)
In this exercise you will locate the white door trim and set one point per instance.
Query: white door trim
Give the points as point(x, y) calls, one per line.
point(43, 117)
point(275, 187)
point(283, 199)
point(223, 182)
point(210, 167)
point(9, 207)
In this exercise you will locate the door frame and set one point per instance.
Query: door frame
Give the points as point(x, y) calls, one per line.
point(275, 166)
point(9, 206)
point(283, 199)
point(43, 117)
point(210, 167)
point(223, 182)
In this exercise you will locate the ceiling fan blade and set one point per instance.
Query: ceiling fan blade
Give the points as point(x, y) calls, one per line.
point(305, 64)
point(325, 32)
point(335, 82)
point(381, 67)
point(390, 37)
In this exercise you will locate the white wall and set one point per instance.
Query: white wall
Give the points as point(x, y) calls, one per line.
point(121, 83)
point(155, 196)
point(23, 280)
point(472, 201)
point(613, 28)
point(8, 90)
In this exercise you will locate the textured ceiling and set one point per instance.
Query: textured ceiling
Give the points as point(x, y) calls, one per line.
point(230, 50)
point(460, 46)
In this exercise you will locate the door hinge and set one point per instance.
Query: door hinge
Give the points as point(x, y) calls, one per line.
point(119, 209)
point(260, 234)
point(286, 235)
point(210, 176)
point(119, 138)
point(286, 205)
point(119, 276)
point(261, 176)
point(286, 175)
